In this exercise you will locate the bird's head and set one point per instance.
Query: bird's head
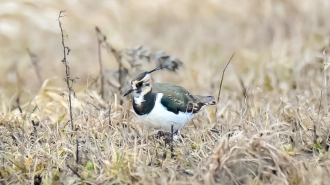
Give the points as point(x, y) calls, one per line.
point(142, 83)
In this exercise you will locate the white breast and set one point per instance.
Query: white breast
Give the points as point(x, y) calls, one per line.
point(162, 119)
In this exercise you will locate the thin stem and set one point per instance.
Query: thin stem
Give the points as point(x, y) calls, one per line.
point(67, 68)
point(223, 74)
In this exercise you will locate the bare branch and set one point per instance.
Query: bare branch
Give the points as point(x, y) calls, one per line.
point(35, 64)
point(69, 81)
point(66, 51)
point(100, 38)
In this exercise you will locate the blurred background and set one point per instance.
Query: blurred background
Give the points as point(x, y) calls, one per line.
point(277, 36)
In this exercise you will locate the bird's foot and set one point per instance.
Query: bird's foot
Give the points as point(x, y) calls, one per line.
point(167, 136)
point(160, 135)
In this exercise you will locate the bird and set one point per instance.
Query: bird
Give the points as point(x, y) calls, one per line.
point(164, 106)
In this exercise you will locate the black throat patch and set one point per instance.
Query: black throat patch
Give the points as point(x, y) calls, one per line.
point(146, 106)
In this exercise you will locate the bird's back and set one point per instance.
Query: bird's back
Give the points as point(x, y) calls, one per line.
point(177, 98)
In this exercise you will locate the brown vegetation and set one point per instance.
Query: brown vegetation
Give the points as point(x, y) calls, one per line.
point(271, 125)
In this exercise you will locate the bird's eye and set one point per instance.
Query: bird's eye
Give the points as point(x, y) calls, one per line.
point(138, 85)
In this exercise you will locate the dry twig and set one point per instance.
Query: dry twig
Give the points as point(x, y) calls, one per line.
point(223, 74)
point(69, 81)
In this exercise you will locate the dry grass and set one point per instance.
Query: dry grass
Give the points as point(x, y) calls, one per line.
point(271, 127)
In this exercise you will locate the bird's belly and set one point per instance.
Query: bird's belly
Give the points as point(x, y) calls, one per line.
point(162, 119)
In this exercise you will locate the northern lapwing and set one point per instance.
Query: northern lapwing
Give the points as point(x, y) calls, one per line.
point(164, 106)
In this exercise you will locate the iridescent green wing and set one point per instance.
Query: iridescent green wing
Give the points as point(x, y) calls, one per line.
point(177, 98)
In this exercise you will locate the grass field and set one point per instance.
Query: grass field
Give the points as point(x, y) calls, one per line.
point(271, 125)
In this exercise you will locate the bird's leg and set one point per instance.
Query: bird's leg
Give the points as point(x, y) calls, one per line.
point(172, 149)
point(176, 135)
point(160, 134)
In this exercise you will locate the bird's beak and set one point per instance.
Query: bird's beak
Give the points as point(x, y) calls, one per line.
point(128, 92)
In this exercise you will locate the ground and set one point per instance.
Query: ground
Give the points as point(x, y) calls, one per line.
point(270, 125)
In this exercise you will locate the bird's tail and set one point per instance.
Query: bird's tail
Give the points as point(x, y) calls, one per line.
point(207, 100)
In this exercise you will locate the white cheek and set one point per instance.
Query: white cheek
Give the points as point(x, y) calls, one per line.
point(138, 98)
